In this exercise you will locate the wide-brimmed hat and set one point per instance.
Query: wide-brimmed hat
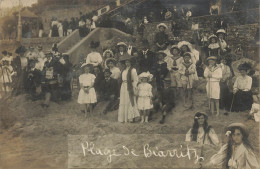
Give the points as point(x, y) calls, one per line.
point(174, 47)
point(121, 44)
point(240, 126)
point(245, 66)
point(108, 51)
point(146, 75)
point(162, 25)
point(184, 43)
point(212, 36)
point(4, 52)
point(10, 53)
point(199, 114)
point(110, 60)
point(94, 45)
point(86, 65)
point(20, 49)
point(221, 31)
point(161, 53)
point(212, 58)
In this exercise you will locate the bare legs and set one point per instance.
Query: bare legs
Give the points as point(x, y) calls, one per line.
point(144, 115)
point(214, 103)
point(88, 107)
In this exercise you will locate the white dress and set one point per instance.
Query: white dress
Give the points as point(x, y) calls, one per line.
point(87, 80)
point(210, 138)
point(188, 80)
point(242, 158)
point(126, 109)
point(213, 87)
point(144, 96)
point(256, 111)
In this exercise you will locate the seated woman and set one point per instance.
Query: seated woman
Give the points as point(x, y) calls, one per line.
point(242, 90)
point(237, 153)
point(94, 58)
point(201, 132)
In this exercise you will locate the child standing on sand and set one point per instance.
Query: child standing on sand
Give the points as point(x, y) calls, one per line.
point(213, 74)
point(87, 94)
point(188, 75)
point(144, 93)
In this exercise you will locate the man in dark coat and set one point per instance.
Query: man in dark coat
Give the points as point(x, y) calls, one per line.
point(147, 58)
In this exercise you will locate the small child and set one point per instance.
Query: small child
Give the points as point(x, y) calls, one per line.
point(213, 74)
point(144, 93)
point(188, 75)
point(173, 64)
point(255, 110)
point(87, 94)
point(214, 48)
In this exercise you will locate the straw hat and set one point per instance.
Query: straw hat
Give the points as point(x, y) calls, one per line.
point(146, 75)
point(108, 51)
point(221, 31)
point(110, 60)
point(121, 44)
point(199, 114)
point(212, 36)
point(183, 43)
point(162, 25)
point(212, 58)
point(240, 126)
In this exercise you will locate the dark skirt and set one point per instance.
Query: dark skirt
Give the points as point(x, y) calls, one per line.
point(243, 101)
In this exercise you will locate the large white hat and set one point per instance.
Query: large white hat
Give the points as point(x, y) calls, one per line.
point(221, 31)
point(163, 25)
point(182, 43)
point(146, 75)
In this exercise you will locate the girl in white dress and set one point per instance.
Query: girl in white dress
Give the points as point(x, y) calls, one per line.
point(201, 132)
point(237, 153)
point(87, 94)
point(127, 106)
point(213, 74)
point(144, 93)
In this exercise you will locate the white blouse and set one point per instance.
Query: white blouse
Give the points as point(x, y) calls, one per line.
point(94, 58)
point(243, 83)
point(133, 74)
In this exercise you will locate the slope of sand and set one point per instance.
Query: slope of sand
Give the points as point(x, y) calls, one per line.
point(35, 138)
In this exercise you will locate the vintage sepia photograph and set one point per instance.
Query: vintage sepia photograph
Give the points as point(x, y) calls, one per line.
point(129, 84)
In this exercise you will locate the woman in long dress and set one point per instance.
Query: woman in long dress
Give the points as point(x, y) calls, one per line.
point(128, 106)
point(237, 153)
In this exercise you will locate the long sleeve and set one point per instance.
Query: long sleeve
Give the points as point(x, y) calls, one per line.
point(99, 59)
point(251, 161)
point(219, 158)
point(188, 136)
point(249, 84)
point(235, 87)
point(88, 59)
point(213, 136)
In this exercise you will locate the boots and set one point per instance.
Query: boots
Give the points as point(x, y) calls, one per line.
point(162, 120)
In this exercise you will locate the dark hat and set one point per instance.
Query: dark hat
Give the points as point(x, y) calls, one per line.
point(108, 71)
point(4, 52)
point(241, 126)
point(212, 58)
point(245, 66)
point(198, 114)
point(110, 60)
point(20, 49)
point(94, 45)
point(10, 53)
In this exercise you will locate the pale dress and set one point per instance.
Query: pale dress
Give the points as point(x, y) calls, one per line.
point(126, 110)
point(90, 97)
point(94, 58)
point(144, 96)
point(210, 138)
point(255, 110)
point(213, 87)
point(242, 158)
